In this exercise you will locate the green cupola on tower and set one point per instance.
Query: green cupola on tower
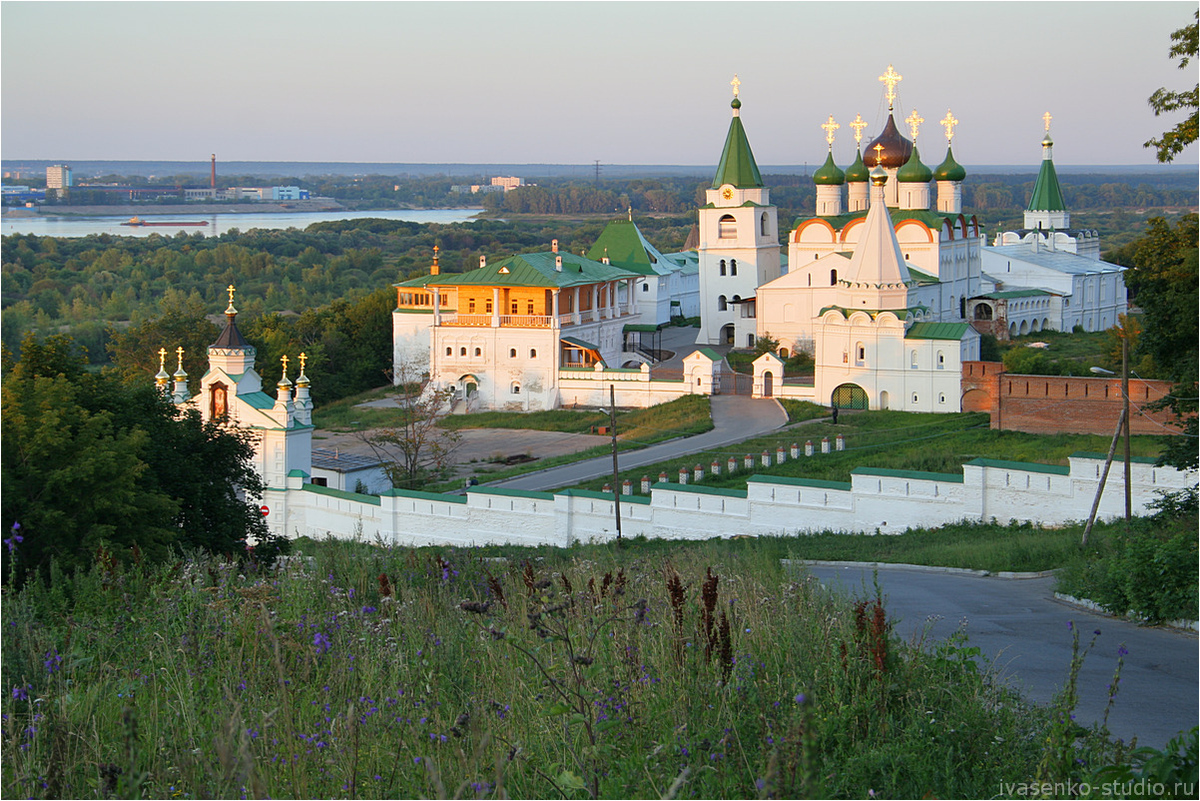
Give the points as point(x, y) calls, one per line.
point(829, 174)
point(913, 171)
point(949, 169)
point(857, 172)
point(737, 167)
point(1047, 193)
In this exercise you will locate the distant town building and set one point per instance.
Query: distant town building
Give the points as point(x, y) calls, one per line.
point(58, 176)
point(508, 183)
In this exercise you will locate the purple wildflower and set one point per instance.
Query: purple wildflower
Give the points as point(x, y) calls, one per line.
point(52, 661)
point(800, 698)
point(15, 539)
point(20, 693)
point(1122, 650)
point(321, 642)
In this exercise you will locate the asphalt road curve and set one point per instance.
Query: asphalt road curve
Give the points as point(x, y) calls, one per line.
point(1023, 630)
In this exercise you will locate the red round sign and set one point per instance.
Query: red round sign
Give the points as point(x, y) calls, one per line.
point(266, 510)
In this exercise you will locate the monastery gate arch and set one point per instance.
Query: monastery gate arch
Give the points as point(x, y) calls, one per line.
point(849, 396)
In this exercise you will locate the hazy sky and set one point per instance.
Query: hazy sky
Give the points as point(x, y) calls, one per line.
point(571, 82)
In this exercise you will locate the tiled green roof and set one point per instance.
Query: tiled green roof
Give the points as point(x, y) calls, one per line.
point(1017, 293)
point(1047, 194)
point(728, 493)
point(931, 219)
point(419, 281)
point(1104, 456)
point(793, 481)
point(949, 331)
point(951, 478)
point(511, 493)
point(537, 270)
point(606, 496)
point(343, 494)
point(737, 165)
point(710, 353)
point(259, 400)
point(428, 496)
point(922, 277)
point(1032, 467)
point(621, 242)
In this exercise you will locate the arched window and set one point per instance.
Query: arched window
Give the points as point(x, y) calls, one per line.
point(449, 351)
point(727, 227)
point(733, 266)
point(763, 229)
point(833, 277)
point(941, 360)
point(645, 287)
point(516, 388)
point(913, 360)
point(722, 267)
point(462, 351)
point(478, 352)
point(722, 304)
point(218, 402)
point(860, 354)
point(533, 353)
point(512, 353)
point(783, 353)
point(737, 298)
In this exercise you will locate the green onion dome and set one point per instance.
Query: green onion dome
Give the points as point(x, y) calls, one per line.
point(829, 174)
point(736, 103)
point(950, 170)
point(857, 172)
point(913, 171)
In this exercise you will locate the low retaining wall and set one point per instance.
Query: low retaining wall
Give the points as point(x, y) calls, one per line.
point(874, 501)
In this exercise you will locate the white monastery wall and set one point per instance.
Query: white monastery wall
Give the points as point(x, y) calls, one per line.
point(875, 501)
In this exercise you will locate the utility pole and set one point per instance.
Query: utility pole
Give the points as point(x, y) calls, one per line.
point(612, 427)
point(597, 170)
point(1125, 396)
point(1112, 449)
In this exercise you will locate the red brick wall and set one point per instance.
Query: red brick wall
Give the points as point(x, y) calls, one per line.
point(1043, 404)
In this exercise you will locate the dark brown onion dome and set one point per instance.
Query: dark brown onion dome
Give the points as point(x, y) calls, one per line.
point(896, 149)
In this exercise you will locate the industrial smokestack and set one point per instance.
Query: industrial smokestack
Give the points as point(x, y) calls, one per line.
point(213, 178)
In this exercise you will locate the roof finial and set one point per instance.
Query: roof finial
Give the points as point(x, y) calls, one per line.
point(891, 78)
point(303, 359)
point(179, 351)
point(162, 359)
point(631, 213)
point(735, 83)
point(284, 360)
point(830, 127)
point(858, 124)
point(914, 123)
point(231, 290)
point(948, 122)
point(1046, 119)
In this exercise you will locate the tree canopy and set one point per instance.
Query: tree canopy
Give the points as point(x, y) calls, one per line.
point(90, 461)
point(1164, 101)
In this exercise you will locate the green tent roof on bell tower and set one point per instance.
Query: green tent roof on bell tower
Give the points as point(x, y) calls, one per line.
point(1047, 194)
point(737, 166)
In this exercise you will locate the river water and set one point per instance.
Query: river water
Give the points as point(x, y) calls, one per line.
point(46, 225)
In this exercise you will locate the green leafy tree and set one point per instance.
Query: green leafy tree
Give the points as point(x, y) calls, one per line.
point(1164, 101)
point(90, 461)
point(1164, 282)
point(181, 324)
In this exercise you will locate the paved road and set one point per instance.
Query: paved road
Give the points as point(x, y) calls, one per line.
point(735, 418)
point(1021, 627)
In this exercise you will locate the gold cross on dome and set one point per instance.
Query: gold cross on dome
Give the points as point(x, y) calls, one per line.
point(179, 351)
point(830, 127)
point(858, 124)
point(1046, 119)
point(948, 122)
point(230, 290)
point(891, 78)
point(878, 155)
point(162, 358)
point(303, 358)
point(284, 360)
point(914, 123)
point(735, 83)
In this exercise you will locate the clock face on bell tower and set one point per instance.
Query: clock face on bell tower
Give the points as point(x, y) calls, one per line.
point(727, 192)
